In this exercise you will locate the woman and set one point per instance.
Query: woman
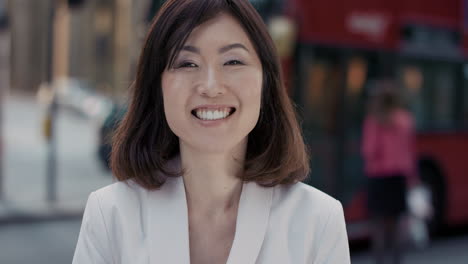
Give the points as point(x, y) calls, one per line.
point(390, 166)
point(209, 155)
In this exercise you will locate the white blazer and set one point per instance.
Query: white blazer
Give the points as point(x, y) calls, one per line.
point(125, 223)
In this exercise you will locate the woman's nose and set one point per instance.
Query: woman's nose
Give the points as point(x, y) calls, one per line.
point(212, 84)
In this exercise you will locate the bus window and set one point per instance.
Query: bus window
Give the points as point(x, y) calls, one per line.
point(413, 79)
point(429, 89)
point(322, 77)
point(355, 105)
point(315, 98)
point(443, 97)
point(331, 95)
point(356, 76)
point(319, 84)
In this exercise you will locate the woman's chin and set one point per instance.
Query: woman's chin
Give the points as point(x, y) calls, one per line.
point(214, 147)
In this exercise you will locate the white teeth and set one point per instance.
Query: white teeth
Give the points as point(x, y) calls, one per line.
point(212, 114)
point(217, 115)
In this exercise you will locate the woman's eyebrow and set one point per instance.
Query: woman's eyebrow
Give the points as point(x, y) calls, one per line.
point(191, 49)
point(232, 46)
point(221, 50)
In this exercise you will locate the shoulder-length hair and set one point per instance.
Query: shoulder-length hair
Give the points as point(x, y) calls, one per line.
point(143, 143)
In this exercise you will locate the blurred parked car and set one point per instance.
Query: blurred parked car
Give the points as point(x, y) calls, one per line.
point(106, 131)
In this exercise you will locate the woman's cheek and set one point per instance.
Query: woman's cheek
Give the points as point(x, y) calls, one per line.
point(247, 81)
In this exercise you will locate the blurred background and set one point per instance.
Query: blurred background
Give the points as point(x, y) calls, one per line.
point(66, 65)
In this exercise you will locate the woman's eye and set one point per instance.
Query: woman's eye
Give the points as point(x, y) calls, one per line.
point(187, 65)
point(234, 62)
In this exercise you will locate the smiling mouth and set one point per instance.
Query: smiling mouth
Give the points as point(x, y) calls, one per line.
point(213, 114)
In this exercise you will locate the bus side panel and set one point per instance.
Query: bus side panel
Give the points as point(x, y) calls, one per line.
point(450, 152)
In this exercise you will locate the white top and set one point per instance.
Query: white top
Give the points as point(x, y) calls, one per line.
point(125, 223)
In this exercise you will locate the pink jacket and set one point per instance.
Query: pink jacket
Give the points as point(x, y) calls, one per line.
point(389, 148)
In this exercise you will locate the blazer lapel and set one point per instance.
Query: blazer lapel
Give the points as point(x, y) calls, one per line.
point(168, 224)
point(252, 222)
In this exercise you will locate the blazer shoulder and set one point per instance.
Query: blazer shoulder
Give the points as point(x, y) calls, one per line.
point(119, 193)
point(303, 196)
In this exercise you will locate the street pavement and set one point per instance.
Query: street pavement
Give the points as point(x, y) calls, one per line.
point(40, 242)
point(445, 250)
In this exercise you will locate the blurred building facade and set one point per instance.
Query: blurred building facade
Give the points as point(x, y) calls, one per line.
point(97, 41)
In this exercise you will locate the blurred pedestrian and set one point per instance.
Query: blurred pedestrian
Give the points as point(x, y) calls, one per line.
point(387, 147)
point(209, 156)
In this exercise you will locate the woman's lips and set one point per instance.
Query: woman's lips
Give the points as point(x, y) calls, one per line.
point(213, 113)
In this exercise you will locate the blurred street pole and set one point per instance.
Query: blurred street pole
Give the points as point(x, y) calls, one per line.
point(51, 150)
point(61, 36)
point(4, 85)
point(1, 129)
point(123, 31)
point(3, 63)
point(60, 51)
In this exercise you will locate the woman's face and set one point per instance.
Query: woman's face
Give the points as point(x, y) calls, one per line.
point(212, 93)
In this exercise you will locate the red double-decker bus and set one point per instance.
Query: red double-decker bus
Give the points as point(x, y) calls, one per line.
point(341, 47)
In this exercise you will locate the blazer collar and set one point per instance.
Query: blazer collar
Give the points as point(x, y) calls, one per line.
point(168, 223)
point(252, 222)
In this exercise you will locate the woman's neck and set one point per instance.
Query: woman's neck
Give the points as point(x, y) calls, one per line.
point(211, 180)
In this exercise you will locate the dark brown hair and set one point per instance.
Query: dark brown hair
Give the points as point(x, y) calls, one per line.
point(144, 143)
